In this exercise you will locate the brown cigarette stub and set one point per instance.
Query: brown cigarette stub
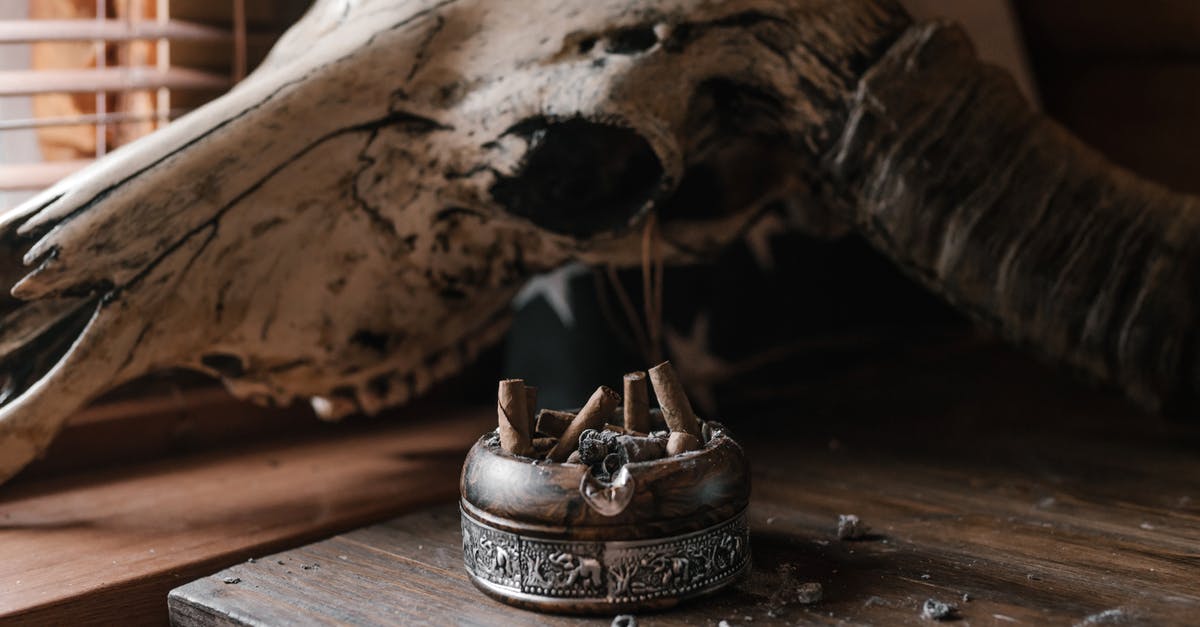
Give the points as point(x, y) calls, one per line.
point(513, 416)
point(637, 403)
point(553, 422)
point(676, 409)
point(594, 415)
point(681, 442)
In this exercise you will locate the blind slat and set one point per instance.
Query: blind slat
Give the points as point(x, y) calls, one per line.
point(115, 117)
point(34, 31)
point(114, 79)
point(134, 72)
point(30, 176)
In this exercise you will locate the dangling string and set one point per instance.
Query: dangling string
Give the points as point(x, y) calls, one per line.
point(652, 289)
point(632, 344)
point(631, 316)
point(646, 333)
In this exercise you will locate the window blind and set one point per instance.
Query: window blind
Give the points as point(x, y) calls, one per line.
point(102, 73)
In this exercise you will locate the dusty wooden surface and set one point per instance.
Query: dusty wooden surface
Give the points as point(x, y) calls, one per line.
point(981, 473)
point(105, 546)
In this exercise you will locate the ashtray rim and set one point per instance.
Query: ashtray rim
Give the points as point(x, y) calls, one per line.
point(537, 497)
point(723, 549)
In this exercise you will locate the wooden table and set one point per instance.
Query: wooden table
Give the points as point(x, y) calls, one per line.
point(991, 484)
point(104, 545)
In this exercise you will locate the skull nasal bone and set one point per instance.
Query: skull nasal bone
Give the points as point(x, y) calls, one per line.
point(580, 178)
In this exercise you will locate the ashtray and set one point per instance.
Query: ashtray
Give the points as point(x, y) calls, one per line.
point(574, 537)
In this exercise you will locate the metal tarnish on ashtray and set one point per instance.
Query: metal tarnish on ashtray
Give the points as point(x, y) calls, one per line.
point(604, 517)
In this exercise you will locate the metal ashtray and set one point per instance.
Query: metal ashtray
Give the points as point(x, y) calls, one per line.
point(554, 537)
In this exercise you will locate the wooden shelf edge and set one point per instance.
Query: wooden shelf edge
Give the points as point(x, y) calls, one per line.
point(108, 546)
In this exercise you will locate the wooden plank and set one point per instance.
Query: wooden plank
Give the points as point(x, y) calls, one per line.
point(106, 547)
point(981, 473)
point(168, 417)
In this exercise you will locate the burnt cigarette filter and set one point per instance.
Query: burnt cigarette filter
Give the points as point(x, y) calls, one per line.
point(592, 448)
point(642, 448)
point(553, 422)
point(599, 408)
point(608, 436)
point(637, 403)
point(513, 415)
point(676, 409)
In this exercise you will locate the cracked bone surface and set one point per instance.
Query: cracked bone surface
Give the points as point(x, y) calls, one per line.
point(349, 224)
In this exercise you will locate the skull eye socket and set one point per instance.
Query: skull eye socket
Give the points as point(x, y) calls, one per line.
point(224, 364)
point(631, 40)
point(580, 178)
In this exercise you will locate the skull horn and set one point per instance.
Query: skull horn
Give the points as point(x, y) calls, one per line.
point(1016, 222)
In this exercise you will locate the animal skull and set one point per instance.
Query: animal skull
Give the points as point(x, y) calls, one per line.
point(350, 223)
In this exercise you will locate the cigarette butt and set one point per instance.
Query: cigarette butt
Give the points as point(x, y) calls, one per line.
point(681, 442)
point(513, 417)
point(676, 409)
point(642, 449)
point(592, 447)
point(594, 415)
point(552, 422)
point(637, 402)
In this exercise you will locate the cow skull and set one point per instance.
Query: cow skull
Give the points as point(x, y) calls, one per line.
point(350, 223)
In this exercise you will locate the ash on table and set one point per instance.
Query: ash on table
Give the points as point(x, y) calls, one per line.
point(849, 527)
point(933, 609)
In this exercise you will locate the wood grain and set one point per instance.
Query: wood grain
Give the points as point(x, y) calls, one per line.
point(981, 474)
point(161, 417)
point(107, 546)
